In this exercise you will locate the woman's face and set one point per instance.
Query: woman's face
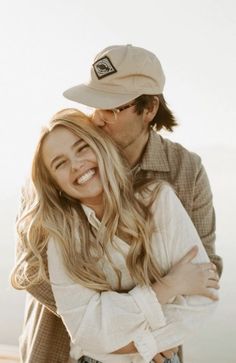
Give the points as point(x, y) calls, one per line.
point(73, 165)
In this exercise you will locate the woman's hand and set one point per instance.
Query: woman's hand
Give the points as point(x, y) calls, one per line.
point(186, 278)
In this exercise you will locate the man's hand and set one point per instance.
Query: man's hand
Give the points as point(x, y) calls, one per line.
point(160, 357)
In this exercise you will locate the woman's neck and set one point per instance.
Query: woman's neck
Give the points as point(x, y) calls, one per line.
point(98, 210)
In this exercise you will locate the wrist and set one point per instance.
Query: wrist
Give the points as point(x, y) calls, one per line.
point(164, 289)
point(170, 281)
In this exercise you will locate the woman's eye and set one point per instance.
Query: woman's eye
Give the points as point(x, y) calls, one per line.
point(60, 164)
point(83, 147)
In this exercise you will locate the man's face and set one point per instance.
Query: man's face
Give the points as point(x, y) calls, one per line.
point(125, 126)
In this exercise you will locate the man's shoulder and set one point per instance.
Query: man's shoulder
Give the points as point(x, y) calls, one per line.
point(173, 147)
point(176, 153)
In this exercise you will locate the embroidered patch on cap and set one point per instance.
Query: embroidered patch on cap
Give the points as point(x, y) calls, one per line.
point(103, 67)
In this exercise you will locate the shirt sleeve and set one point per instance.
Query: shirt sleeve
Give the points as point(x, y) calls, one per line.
point(101, 323)
point(185, 313)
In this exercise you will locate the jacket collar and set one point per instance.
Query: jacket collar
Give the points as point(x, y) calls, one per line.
point(154, 157)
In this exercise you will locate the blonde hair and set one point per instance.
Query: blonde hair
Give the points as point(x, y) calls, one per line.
point(46, 213)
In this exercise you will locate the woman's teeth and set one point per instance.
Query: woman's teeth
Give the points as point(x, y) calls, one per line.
point(85, 177)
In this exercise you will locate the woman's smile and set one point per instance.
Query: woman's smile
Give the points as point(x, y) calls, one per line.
point(86, 176)
point(73, 165)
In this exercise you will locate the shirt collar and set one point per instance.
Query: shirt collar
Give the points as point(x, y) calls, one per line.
point(154, 157)
point(91, 216)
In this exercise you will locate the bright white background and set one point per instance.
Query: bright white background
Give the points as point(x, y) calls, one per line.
point(46, 46)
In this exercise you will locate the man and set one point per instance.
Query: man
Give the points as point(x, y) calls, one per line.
point(125, 91)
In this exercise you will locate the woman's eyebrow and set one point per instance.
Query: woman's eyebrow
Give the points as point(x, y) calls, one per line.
point(77, 143)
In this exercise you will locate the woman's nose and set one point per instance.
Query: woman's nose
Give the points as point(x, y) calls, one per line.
point(76, 163)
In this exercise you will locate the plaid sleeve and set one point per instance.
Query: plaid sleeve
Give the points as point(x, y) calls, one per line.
point(203, 216)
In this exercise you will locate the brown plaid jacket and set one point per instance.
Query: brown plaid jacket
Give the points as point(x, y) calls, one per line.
point(44, 338)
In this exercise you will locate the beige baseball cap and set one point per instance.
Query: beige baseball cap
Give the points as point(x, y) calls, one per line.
point(119, 74)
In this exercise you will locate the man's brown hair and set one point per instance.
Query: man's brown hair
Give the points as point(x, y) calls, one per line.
point(164, 117)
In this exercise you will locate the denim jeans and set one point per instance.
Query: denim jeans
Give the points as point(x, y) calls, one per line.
point(175, 359)
point(87, 360)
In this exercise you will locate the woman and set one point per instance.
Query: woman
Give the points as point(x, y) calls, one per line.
point(109, 247)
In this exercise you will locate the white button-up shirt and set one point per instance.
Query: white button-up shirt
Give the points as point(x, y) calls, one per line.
point(102, 322)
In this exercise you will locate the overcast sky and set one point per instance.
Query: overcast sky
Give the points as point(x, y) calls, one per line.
point(46, 46)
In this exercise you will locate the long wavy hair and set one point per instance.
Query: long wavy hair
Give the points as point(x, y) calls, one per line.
point(47, 213)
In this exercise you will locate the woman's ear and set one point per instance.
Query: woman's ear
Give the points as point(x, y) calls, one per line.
point(151, 111)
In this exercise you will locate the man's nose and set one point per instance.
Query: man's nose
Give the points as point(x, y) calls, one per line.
point(98, 118)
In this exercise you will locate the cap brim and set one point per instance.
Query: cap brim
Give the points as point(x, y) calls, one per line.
point(96, 98)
